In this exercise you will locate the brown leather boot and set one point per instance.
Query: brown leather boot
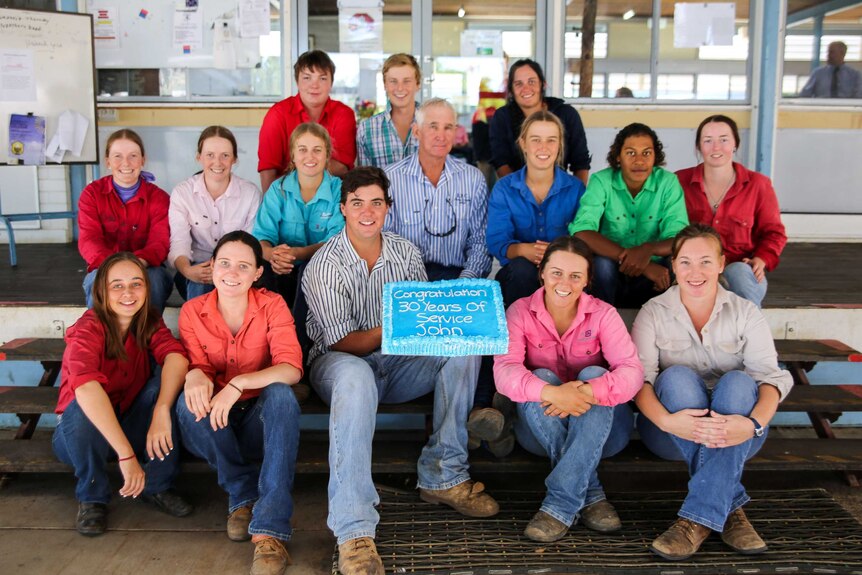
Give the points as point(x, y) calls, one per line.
point(466, 498)
point(359, 557)
point(270, 557)
point(681, 540)
point(601, 516)
point(237, 524)
point(740, 535)
point(545, 528)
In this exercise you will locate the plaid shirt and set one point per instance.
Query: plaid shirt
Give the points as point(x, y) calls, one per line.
point(378, 143)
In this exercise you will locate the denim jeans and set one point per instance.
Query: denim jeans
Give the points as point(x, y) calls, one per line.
point(78, 443)
point(264, 428)
point(161, 286)
point(618, 289)
point(714, 490)
point(518, 278)
point(353, 387)
point(575, 445)
point(741, 281)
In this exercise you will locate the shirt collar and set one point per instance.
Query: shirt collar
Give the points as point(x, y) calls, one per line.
point(586, 304)
point(350, 252)
point(649, 185)
point(671, 300)
point(519, 182)
point(298, 108)
point(742, 177)
point(451, 167)
point(210, 305)
point(324, 190)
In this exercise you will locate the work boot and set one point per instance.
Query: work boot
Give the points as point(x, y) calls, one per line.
point(505, 442)
point(359, 557)
point(485, 424)
point(545, 528)
point(170, 502)
point(270, 557)
point(681, 540)
point(466, 498)
point(601, 516)
point(92, 519)
point(237, 524)
point(740, 535)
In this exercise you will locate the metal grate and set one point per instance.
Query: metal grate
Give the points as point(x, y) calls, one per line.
point(806, 530)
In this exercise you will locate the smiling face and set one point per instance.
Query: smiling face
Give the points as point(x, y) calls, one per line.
point(436, 134)
point(314, 87)
point(125, 161)
point(541, 145)
point(216, 158)
point(716, 144)
point(127, 290)
point(234, 269)
point(697, 266)
point(309, 155)
point(637, 159)
point(401, 86)
point(527, 88)
point(364, 213)
point(564, 276)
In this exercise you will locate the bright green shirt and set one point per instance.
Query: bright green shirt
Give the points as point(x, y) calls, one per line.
point(657, 213)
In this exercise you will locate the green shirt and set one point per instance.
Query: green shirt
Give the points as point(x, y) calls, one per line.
point(657, 213)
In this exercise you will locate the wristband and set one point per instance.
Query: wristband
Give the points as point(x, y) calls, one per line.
point(132, 456)
point(235, 387)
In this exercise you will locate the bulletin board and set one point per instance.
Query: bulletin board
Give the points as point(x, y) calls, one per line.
point(46, 68)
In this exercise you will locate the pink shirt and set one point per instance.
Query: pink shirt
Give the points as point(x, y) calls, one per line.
point(597, 336)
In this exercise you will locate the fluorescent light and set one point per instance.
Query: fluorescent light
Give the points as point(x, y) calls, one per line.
point(628, 14)
point(461, 11)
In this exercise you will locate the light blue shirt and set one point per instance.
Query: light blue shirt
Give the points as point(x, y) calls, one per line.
point(447, 222)
point(284, 218)
point(378, 143)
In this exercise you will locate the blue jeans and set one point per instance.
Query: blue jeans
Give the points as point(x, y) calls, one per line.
point(619, 289)
point(353, 386)
point(264, 428)
point(518, 278)
point(714, 490)
point(78, 443)
point(575, 445)
point(161, 285)
point(741, 281)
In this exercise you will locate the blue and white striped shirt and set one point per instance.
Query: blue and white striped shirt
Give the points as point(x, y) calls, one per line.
point(423, 213)
point(378, 143)
point(343, 297)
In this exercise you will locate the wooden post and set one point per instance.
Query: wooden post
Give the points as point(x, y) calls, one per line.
point(588, 37)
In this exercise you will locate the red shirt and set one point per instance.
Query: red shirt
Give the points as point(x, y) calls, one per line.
point(748, 218)
point(84, 360)
point(106, 225)
point(267, 337)
point(273, 151)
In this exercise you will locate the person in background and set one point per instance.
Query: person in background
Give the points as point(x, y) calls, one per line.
point(712, 385)
point(629, 216)
point(314, 73)
point(835, 79)
point(571, 367)
point(387, 137)
point(739, 203)
point(208, 205)
point(624, 92)
point(526, 94)
point(237, 410)
point(123, 211)
point(112, 399)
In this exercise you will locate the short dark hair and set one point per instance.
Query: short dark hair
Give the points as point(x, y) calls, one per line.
point(635, 129)
point(572, 245)
point(246, 238)
point(314, 60)
point(365, 176)
point(514, 68)
point(718, 119)
point(691, 232)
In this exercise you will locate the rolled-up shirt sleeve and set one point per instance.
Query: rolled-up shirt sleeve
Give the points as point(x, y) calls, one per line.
point(759, 357)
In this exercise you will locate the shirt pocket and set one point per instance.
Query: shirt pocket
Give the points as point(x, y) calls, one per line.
point(292, 232)
point(673, 350)
point(739, 231)
point(586, 349)
point(542, 351)
point(462, 204)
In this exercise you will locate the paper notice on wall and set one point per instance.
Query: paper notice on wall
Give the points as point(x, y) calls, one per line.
point(253, 18)
point(69, 137)
point(703, 24)
point(188, 30)
point(224, 45)
point(27, 139)
point(106, 26)
point(360, 26)
point(481, 43)
point(17, 82)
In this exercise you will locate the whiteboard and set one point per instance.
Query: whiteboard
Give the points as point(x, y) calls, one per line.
point(60, 48)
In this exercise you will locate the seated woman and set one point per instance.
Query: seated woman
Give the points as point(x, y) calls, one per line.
point(531, 207)
point(111, 398)
point(237, 406)
point(712, 386)
point(205, 207)
point(571, 367)
point(125, 212)
point(629, 216)
point(739, 203)
point(300, 210)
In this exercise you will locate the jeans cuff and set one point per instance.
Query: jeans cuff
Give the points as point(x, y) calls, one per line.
point(282, 535)
point(355, 535)
point(701, 520)
point(739, 502)
point(244, 503)
point(593, 498)
point(568, 520)
point(440, 486)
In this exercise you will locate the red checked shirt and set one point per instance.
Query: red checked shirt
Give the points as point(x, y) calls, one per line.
point(267, 337)
point(84, 361)
point(106, 225)
point(273, 150)
point(748, 218)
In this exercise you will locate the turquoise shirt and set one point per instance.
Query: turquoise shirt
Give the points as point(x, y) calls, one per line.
point(656, 214)
point(284, 218)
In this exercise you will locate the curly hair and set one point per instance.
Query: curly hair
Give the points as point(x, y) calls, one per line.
point(635, 129)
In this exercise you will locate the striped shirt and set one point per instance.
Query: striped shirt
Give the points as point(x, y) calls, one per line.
point(378, 143)
point(343, 297)
point(447, 223)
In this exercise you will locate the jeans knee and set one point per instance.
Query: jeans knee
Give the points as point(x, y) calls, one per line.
point(547, 375)
point(679, 387)
point(280, 401)
point(591, 372)
point(604, 268)
point(734, 394)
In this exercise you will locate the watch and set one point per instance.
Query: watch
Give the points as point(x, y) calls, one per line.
point(758, 429)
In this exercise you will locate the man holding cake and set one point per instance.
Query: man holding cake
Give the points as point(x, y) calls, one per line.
point(343, 285)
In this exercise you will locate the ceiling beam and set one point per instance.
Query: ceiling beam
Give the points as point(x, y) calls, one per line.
point(822, 9)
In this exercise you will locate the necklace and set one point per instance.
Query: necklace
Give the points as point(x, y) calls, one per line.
point(714, 204)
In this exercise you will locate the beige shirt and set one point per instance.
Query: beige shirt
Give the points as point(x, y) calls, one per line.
point(736, 337)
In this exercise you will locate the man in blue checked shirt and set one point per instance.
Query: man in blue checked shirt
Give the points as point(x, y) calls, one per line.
point(439, 202)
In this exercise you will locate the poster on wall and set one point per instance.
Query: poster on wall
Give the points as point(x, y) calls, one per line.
point(481, 43)
point(360, 26)
point(706, 24)
point(106, 26)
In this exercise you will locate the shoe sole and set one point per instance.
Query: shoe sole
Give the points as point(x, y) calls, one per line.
point(545, 539)
point(671, 557)
point(597, 529)
point(469, 513)
point(484, 429)
point(756, 551)
point(90, 533)
point(245, 537)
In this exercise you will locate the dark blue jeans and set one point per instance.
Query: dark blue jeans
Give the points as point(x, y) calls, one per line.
point(518, 278)
point(264, 428)
point(78, 443)
point(619, 289)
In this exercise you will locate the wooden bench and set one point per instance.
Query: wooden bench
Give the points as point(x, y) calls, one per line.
point(7, 220)
point(398, 451)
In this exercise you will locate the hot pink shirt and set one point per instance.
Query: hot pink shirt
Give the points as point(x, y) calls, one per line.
point(597, 336)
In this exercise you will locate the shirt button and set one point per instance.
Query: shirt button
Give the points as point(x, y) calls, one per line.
point(233, 361)
point(589, 352)
point(540, 346)
point(233, 341)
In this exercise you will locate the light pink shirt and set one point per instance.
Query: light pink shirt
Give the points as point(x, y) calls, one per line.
point(198, 222)
point(597, 336)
